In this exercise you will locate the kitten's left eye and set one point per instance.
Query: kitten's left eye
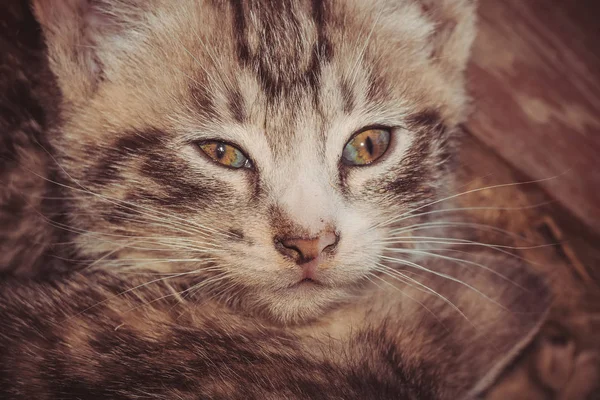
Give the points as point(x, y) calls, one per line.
point(225, 154)
point(366, 147)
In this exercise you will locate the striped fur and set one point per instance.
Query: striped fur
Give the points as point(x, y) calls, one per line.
point(176, 287)
point(289, 83)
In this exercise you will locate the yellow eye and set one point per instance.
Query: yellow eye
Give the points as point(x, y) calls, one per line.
point(366, 147)
point(225, 154)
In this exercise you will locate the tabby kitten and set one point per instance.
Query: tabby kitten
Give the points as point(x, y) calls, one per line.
point(240, 179)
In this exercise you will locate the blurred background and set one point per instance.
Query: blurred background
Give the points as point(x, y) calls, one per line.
point(535, 78)
point(535, 82)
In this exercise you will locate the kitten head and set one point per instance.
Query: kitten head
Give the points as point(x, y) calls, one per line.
point(259, 150)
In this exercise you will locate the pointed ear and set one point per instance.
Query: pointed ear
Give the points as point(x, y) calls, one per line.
point(454, 31)
point(74, 31)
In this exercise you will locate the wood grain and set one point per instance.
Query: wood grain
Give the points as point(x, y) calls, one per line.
point(535, 78)
point(564, 361)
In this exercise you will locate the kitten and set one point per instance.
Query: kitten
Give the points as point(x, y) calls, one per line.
point(241, 181)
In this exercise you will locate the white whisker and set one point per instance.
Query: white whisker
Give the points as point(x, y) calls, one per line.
point(442, 240)
point(478, 208)
point(442, 275)
point(197, 228)
point(457, 260)
point(452, 224)
point(499, 186)
point(410, 297)
point(395, 275)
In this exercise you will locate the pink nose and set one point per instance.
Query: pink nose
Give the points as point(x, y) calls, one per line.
point(304, 250)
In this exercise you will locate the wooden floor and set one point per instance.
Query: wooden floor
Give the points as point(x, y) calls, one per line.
point(543, 230)
point(535, 78)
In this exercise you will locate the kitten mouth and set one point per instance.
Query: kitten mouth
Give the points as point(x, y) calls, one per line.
point(306, 282)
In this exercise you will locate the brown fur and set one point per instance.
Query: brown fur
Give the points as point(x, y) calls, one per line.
point(91, 334)
point(26, 112)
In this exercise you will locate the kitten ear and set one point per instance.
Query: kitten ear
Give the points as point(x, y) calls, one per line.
point(454, 31)
point(74, 30)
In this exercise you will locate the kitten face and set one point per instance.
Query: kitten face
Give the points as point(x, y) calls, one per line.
point(295, 230)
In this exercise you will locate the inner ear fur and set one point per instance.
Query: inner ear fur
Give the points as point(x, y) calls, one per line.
point(454, 31)
point(75, 31)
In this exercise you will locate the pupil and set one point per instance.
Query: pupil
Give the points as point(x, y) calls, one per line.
point(220, 150)
point(369, 144)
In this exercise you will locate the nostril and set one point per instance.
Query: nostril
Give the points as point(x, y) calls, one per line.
point(300, 250)
point(287, 250)
point(328, 241)
point(329, 248)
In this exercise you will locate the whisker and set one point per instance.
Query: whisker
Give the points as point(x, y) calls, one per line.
point(442, 275)
point(163, 224)
point(500, 249)
point(129, 205)
point(146, 261)
point(136, 288)
point(196, 288)
point(442, 240)
point(110, 253)
point(483, 227)
point(457, 260)
point(504, 185)
point(181, 294)
point(507, 253)
point(478, 208)
point(410, 297)
point(384, 269)
point(149, 239)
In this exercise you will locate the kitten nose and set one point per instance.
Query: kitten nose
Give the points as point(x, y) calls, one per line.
point(305, 250)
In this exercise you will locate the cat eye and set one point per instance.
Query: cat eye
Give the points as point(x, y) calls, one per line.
point(225, 154)
point(366, 147)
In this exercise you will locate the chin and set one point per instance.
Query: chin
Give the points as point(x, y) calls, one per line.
point(303, 302)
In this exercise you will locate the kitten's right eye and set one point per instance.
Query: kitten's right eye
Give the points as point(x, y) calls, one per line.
point(225, 154)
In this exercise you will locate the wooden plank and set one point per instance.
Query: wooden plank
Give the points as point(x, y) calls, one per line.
point(535, 77)
point(525, 210)
point(553, 243)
